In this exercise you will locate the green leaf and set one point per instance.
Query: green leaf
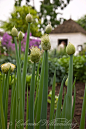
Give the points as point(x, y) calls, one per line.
point(25, 64)
point(82, 121)
point(20, 88)
point(1, 108)
point(31, 99)
point(58, 110)
point(39, 104)
point(52, 100)
point(12, 110)
point(69, 93)
point(45, 93)
point(74, 99)
point(27, 108)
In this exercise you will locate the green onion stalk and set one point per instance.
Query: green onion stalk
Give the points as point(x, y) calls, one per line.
point(59, 104)
point(2, 122)
point(68, 115)
point(45, 93)
point(19, 86)
point(45, 43)
point(37, 79)
point(82, 121)
point(52, 102)
point(35, 56)
point(25, 63)
point(21, 80)
point(31, 100)
point(39, 103)
point(13, 103)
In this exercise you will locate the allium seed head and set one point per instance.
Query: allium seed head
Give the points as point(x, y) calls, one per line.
point(5, 67)
point(45, 42)
point(35, 54)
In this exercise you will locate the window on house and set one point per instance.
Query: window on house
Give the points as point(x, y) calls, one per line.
point(62, 41)
point(79, 47)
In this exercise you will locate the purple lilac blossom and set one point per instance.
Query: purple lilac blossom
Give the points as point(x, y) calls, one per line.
point(7, 42)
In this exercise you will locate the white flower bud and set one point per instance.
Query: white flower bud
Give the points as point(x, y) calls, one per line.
point(29, 18)
point(20, 36)
point(70, 49)
point(48, 28)
point(14, 32)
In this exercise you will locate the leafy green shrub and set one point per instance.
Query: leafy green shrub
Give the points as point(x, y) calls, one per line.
point(79, 67)
point(83, 52)
point(60, 71)
point(57, 54)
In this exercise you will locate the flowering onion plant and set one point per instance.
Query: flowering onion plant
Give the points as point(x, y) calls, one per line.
point(36, 110)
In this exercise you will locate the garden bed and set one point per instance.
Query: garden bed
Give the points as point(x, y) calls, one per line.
point(78, 106)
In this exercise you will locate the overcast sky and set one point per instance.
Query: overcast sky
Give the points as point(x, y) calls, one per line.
point(76, 9)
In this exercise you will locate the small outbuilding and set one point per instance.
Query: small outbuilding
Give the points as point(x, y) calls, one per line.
point(69, 31)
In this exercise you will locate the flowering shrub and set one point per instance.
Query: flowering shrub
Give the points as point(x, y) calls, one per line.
point(7, 42)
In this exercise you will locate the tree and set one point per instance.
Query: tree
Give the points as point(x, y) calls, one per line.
point(82, 22)
point(18, 20)
point(18, 2)
point(49, 12)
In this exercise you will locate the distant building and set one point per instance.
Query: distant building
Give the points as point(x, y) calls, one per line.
point(69, 31)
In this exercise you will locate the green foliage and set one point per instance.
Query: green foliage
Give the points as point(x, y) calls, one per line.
point(83, 52)
point(57, 54)
point(48, 9)
point(18, 20)
point(18, 2)
point(60, 71)
point(82, 22)
point(79, 67)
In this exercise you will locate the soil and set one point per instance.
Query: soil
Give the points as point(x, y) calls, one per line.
point(78, 105)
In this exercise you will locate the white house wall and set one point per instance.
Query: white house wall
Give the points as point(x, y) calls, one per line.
point(75, 38)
